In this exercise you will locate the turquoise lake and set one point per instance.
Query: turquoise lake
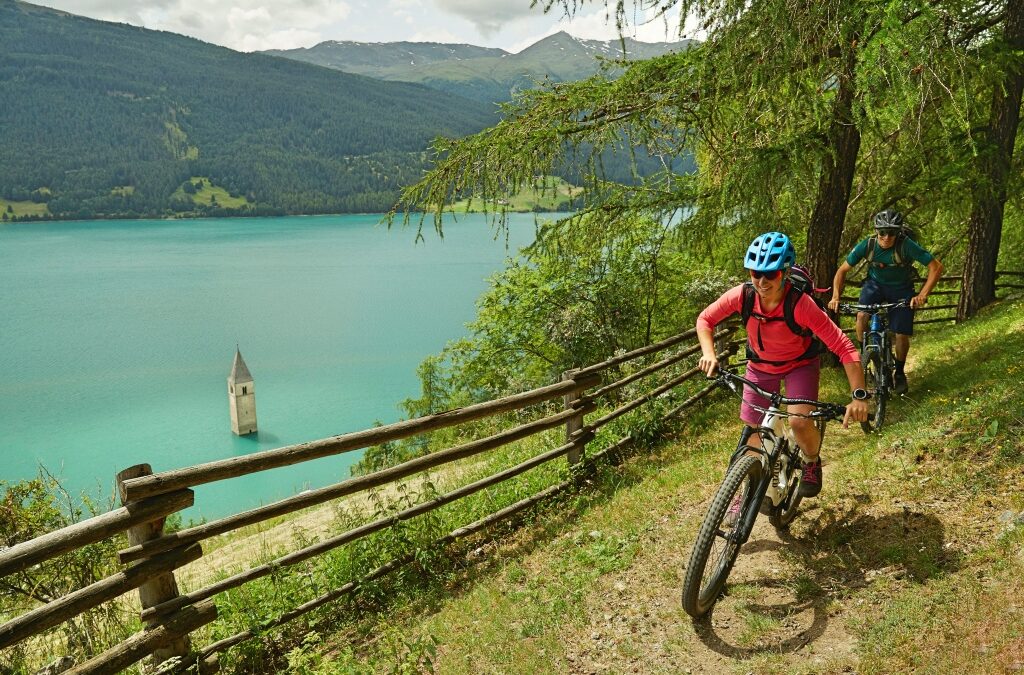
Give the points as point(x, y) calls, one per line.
point(116, 339)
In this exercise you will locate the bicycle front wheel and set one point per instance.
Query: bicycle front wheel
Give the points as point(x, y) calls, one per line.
point(717, 544)
point(877, 384)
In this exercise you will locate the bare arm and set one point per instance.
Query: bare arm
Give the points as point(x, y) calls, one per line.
point(838, 282)
point(935, 270)
point(708, 360)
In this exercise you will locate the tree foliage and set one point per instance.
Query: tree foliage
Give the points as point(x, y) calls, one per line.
point(803, 116)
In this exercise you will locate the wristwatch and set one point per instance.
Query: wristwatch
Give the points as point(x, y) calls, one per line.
point(860, 394)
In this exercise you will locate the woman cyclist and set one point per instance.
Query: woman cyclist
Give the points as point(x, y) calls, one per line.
point(777, 354)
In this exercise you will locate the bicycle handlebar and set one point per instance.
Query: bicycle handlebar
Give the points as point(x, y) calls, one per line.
point(854, 307)
point(830, 411)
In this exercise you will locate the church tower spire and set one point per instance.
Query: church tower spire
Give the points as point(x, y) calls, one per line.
point(241, 397)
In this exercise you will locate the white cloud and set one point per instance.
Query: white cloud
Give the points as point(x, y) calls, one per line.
point(250, 25)
point(489, 16)
point(245, 25)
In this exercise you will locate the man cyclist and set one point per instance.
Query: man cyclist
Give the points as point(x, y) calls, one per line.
point(777, 354)
point(891, 255)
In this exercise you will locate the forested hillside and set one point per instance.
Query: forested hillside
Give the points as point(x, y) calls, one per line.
point(101, 119)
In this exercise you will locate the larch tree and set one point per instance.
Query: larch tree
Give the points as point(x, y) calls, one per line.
point(994, 162)
point(802, 115)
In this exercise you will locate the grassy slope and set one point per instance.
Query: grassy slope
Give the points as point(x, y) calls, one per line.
point(210, 193)
point(24, 208)
point(908, 562)
point(549, 193)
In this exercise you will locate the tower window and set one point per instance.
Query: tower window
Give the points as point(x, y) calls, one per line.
point(245, 390)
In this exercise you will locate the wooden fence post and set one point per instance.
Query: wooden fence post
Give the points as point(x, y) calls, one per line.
point(574, 423)
point(161, 588)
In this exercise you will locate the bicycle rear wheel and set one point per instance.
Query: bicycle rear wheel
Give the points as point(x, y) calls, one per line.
point(717, 545)
point(877, 384)
point(782, 515)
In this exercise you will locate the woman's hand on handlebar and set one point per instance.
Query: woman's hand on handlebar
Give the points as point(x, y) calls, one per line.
point(856, 411)
point(708, 364)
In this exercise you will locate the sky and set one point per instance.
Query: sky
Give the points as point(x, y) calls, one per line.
point(255, 25)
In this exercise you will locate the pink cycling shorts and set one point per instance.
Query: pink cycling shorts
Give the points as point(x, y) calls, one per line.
point(801, 382)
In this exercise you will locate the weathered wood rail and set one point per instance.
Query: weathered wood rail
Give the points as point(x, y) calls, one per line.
point(170, 617)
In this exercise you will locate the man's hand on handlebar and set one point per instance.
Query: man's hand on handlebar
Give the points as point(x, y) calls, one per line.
point(856, 411)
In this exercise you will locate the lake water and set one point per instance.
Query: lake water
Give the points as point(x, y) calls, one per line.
point(116, 339)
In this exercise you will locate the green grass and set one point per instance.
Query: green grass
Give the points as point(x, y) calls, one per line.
point(211, 195)
point(905, 549)
point(548, 193)
point(22, 209)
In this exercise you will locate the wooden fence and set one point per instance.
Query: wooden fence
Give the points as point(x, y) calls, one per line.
point(147, 498)
point(948, 291)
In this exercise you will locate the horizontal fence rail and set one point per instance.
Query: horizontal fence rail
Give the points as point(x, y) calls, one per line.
point(147, 486)
point(97, 528)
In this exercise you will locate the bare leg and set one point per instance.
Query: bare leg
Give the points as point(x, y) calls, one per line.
point(807, 436)
point(862, 325)
point(901, 344)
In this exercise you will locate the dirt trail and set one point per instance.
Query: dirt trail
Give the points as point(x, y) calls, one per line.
point(636, 623)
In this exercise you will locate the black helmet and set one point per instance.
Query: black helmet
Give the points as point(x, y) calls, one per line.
point(889, 218)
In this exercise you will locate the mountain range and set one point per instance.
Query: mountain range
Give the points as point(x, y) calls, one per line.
point(483, 74)
point(109, 120)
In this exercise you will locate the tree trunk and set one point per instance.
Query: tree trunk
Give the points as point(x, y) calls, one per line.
point(825, 231)
point(985, 228)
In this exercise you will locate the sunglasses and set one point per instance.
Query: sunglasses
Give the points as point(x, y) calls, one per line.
point(770, 276)
point(888, 233)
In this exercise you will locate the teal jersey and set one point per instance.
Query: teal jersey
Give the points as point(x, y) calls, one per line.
point(883, 269)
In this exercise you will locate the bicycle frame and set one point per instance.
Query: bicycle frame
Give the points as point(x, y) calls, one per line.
point(879, 338)
point(778, 454)
point(877, 357)
point(774, 472)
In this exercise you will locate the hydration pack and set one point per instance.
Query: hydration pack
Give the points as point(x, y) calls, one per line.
point(801, 283)
point(898, 258)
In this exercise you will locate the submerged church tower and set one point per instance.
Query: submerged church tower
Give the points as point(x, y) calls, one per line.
point(241, 397)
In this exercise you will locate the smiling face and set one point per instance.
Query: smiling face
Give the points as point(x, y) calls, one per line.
point(768, 284)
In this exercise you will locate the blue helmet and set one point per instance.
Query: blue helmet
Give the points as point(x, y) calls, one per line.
point(769, 252)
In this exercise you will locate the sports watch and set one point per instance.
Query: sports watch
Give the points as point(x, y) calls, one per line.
point(860, 394)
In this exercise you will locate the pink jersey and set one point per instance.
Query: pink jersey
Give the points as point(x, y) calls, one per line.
point(780, 343)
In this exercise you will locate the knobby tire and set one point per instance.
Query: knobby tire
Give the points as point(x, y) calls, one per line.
point(876, 381)
point(713, 554)
point(782, 515)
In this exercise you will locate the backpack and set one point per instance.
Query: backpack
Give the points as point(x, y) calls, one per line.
point(801, 283)
point(899, 260)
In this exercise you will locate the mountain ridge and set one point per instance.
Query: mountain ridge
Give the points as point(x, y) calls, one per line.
point(485, 77)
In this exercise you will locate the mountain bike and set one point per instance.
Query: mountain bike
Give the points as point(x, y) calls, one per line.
point(765, 479)
point(877, 358)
